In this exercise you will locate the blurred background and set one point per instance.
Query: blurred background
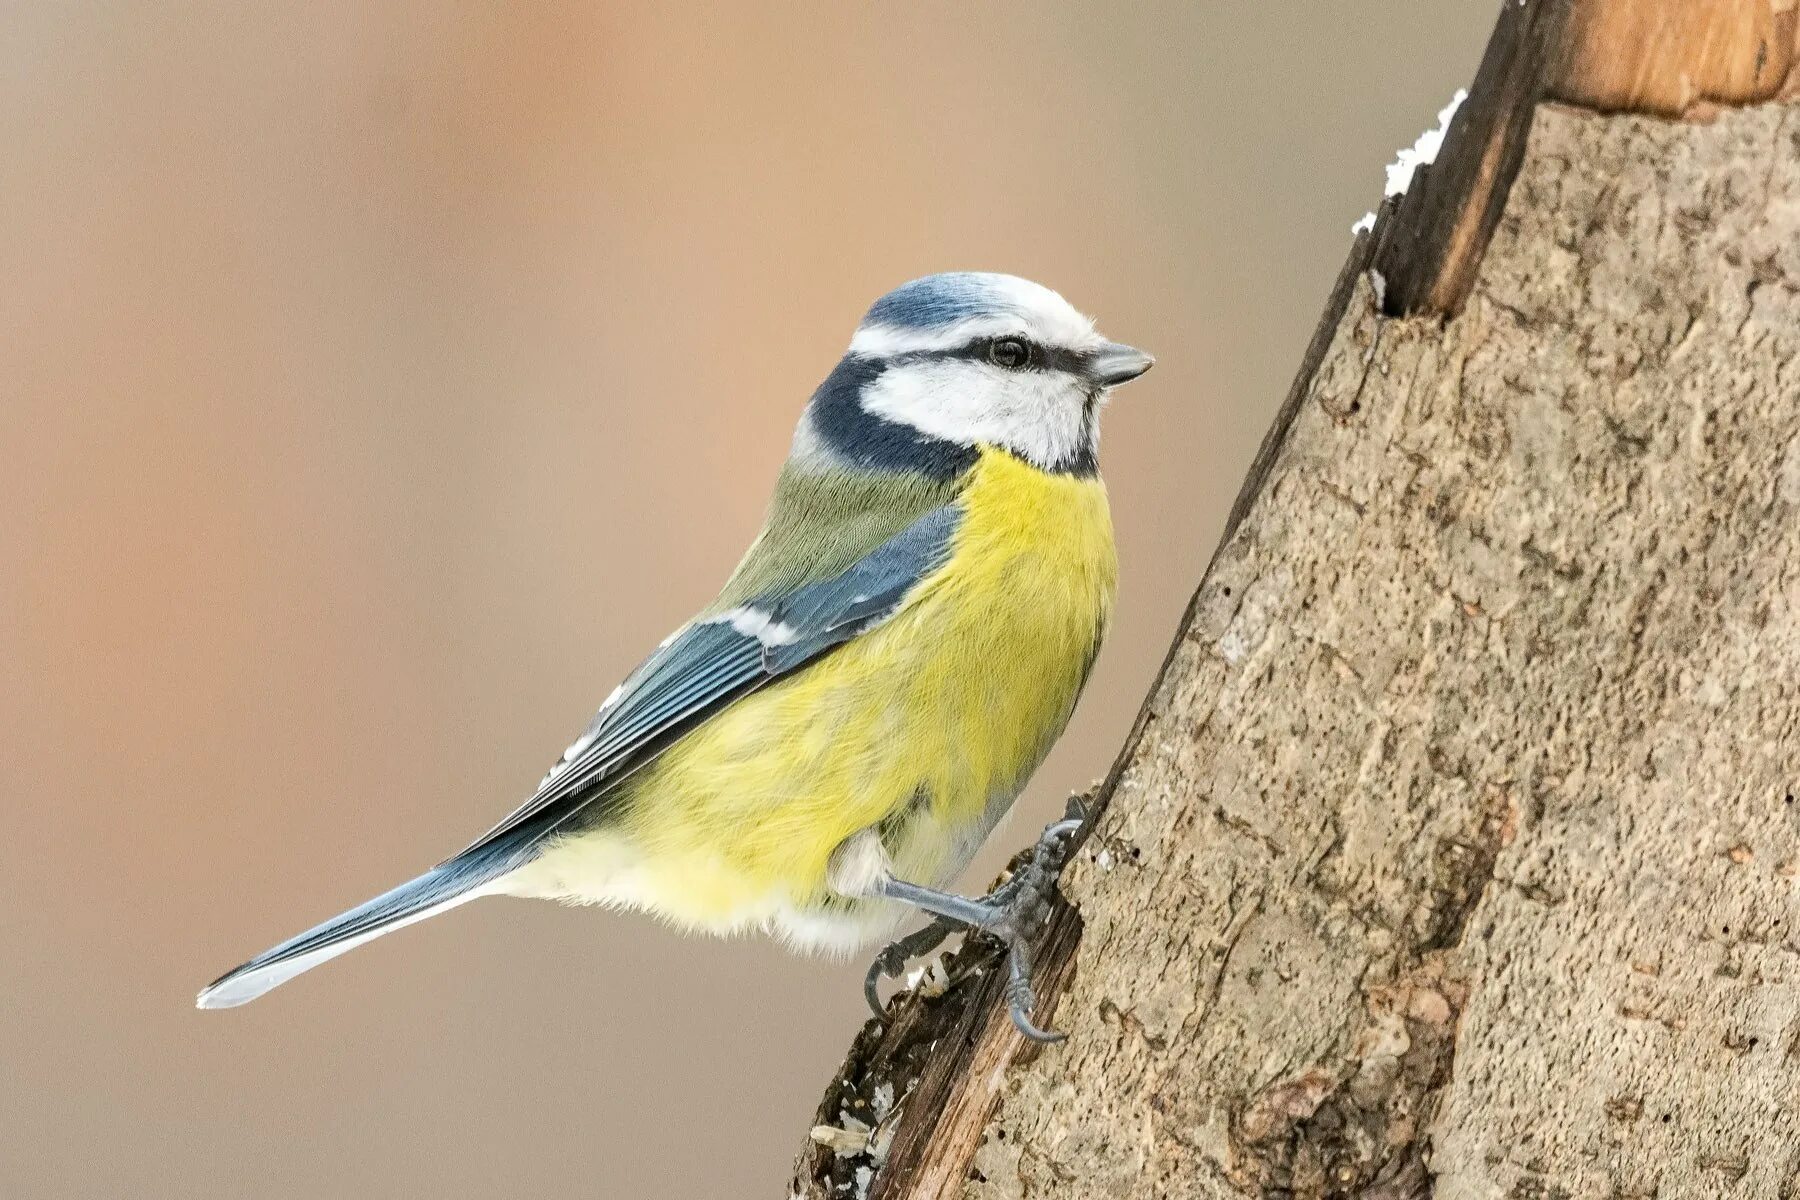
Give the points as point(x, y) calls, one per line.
point(379, 380)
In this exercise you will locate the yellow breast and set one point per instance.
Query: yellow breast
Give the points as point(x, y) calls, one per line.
point(931, 723)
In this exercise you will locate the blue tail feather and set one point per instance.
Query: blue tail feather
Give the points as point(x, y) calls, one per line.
point(437, 890)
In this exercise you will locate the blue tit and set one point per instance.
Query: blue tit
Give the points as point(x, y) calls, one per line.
point(832, 739)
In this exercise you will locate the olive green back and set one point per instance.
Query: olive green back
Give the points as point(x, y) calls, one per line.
point(823, 520)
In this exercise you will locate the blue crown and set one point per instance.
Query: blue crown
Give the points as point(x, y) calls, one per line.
point(939, 300)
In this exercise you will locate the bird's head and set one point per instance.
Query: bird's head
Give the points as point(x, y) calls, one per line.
point(948, 363)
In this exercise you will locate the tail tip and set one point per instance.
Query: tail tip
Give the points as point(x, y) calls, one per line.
point(228, 991)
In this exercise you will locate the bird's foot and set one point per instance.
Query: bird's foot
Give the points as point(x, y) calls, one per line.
point(1012, 913)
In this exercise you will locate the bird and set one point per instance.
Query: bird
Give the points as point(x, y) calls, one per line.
point(823, 748)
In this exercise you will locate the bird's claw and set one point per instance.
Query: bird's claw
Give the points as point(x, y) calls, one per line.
point(1020, 999)
point(891, 962)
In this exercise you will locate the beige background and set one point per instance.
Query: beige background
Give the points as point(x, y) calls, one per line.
point(379, 380)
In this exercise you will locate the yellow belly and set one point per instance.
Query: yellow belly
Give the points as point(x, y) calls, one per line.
point(933, 723)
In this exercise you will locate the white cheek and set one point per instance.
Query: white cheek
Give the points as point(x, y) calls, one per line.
point(943, 399)
point(1049, 417)
point(1034, 413)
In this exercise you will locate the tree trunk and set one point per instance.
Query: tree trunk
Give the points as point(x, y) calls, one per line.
point(1457, 849)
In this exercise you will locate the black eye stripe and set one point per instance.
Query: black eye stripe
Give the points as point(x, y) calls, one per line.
point(1043, 358)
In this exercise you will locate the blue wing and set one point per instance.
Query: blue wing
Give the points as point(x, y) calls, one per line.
point(713, 662)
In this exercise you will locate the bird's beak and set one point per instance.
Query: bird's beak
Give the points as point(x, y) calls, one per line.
point(1116, 363)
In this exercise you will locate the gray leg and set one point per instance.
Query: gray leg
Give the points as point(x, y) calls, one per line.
point(1012, 912)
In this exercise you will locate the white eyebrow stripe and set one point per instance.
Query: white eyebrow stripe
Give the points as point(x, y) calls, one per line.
point(889, 341)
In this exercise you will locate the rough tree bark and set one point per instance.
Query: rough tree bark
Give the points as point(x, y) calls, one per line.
point(1457, 849)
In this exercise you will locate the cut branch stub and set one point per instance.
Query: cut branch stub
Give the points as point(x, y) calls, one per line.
point(1679, 58)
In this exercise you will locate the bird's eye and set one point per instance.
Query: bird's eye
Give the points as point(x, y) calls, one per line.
point(1010, 353)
